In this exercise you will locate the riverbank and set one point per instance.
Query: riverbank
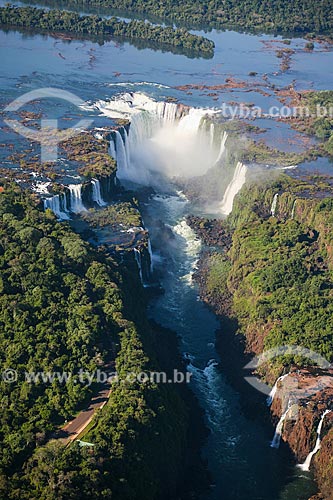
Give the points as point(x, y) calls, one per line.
point(77, 309)
point(259, 285)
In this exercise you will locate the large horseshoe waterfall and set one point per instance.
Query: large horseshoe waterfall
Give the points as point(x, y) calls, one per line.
point(167, 141)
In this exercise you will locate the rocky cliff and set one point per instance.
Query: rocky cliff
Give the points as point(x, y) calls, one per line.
point(269, 270)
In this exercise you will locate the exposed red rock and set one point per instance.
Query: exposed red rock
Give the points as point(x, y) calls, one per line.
point(312, 391)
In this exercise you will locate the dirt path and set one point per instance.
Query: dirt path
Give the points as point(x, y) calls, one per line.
point(73, 429)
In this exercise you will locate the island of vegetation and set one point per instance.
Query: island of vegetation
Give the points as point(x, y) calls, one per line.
point(300, 16)
point(59, 21)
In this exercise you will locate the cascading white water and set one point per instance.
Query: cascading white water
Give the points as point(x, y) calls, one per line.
point(137, 255)
point(150, 256)
point(41, 187)
point(222, 146)
point(121, 155)
point(163, 138)
point(58, 205)
point(274, 204)
point(96, 193)
point(274, 390)
point(307, 463)
point(76, 204)
point(211, 134)
point(234, 187)
point(279, 428)
point(112, 149)
point(293, 210)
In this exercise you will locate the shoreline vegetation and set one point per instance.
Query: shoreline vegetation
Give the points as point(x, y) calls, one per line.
point(58, 21)
point(270, 277)
point(296, 16)
point(65, 306)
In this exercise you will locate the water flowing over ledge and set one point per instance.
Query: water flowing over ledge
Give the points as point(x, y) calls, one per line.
point(71, 201)
point(306, 466)
point(166, 141)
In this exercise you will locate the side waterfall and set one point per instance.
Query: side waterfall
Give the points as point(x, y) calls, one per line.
point(76, 204)
point(150, 256)
point(274, 204)
point(293, 210)
point(279, 428)
point(306, 466)
point(222, 146)
point(137, 255)
point(274, 390)
point(96, 193)
point(234, 187)
point(58, 205)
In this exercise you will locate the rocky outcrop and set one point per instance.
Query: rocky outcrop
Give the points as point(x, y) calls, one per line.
point(323, 465)
point(312, 392)
point(212, 232)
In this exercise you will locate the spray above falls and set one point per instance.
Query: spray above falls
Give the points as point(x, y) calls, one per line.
point(166, 141)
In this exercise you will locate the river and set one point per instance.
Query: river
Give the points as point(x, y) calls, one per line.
point(241, 462)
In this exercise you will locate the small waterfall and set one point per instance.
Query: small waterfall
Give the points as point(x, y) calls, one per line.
point(293, 210)
point(138, 259)
point(234, 187)
point(222, 146)
point(96, 193)
point(121, 155)
point(274, 204)
point(279, 428)
point(58, 205)
point(112, 150)
point(274, 390)
point(76, 204)
point(307, 463)
point(127, 150)
point(150, 256)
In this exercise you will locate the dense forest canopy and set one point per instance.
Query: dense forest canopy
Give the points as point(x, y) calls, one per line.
point(71, 22)
point(277, 274)
point(65, 306)
point(266, 15)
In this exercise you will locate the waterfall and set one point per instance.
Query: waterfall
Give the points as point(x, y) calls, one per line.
point(293, 210)
point(274, 390)
point(138, 259)
point(96, 193)
point(150, 256)
point(121, 155)
point(112, 150)
point(222, 146)
point(279, 428)
point(307, 463)
point(274, 204)
point(211, 134)
point(234, 187)
point(76, 204)
point(58, 205)
point(127, 150)
point(163, 138)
